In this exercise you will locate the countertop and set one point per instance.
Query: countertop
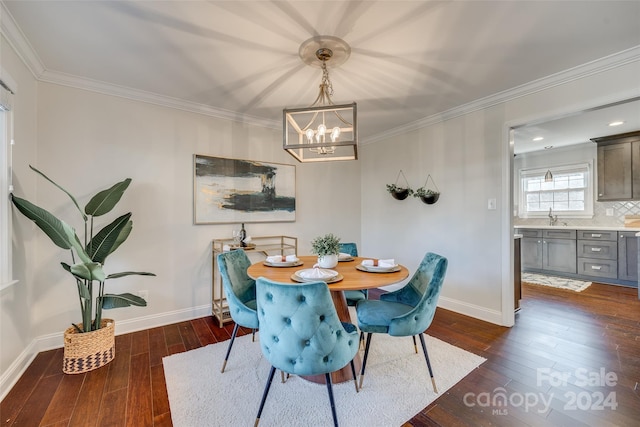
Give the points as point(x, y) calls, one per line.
point(577, 227)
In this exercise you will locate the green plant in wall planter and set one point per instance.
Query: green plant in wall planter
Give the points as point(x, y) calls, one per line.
point(427, 195)
point(88, 255)
point(399, 192)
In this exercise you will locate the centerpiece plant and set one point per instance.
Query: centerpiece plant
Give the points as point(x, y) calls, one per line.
point(88, 255)
point(325, 245)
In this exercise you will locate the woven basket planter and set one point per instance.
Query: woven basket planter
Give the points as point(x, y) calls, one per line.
point(84, 352)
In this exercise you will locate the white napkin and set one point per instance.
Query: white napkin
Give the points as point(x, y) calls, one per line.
point(385, 263)
point(317, 273)
point(342, 255)
point(282, 258)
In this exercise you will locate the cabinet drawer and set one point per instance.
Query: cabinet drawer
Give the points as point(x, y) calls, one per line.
point(596, 249)
point(598, 268)
point(559, 234)
point(598, 235)
point(527, 232)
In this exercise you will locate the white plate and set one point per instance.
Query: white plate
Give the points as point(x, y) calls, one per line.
point(283, 264)
point(378, 269)
point(334, 279)
point(300, 278)
point(345, 258)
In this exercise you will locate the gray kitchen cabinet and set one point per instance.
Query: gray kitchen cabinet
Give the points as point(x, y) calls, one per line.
point(598, 253)
point(549, 250)
point(628, 256)
point(559, 255)
point(619, 166)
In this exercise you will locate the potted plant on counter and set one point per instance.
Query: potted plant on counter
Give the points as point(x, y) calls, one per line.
point(327, 248)
point(90, 344)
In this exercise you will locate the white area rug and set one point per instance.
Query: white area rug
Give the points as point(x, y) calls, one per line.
point(396, 386)
point(555, 282)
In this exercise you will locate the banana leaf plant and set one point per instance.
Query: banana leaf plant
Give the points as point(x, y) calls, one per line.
point(88, 257)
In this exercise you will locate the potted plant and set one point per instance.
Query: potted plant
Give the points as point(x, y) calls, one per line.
point(426, 194)
point(90, 344)
point(398, 192)
point(327, 248)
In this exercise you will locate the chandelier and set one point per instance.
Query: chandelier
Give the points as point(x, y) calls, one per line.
point(323, 131)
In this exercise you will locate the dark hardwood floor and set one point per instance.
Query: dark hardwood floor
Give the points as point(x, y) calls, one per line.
point(569, 360)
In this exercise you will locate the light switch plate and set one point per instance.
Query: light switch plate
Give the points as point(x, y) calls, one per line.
point(491, 204)
point(609, 212)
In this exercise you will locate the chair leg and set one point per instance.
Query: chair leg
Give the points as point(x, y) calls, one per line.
point(364, 359)
point(353, 371)
point(327, 377)
point(253, 335)
point(415, 345)
point(361, 341)
point(264, 395)
point(426, 356)
point(233, 337)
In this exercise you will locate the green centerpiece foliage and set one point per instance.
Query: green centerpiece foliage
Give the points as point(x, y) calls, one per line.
point(88, 256)
point(325, 245)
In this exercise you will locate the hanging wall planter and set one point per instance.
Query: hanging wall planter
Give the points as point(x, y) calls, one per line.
point(427, 194)
point(400, 193)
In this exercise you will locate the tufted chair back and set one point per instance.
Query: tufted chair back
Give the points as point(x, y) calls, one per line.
point(349, 248)
point(421, 292)
point(239, 288)
point(300, 332)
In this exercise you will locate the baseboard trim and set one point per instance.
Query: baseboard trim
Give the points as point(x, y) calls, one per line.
point(471, 310)
point(55, 340)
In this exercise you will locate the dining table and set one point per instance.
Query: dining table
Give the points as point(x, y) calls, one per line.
point(353, 277)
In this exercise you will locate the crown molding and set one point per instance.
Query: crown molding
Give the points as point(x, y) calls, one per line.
point(152, 98)
point(581, 71)
point(16, 38)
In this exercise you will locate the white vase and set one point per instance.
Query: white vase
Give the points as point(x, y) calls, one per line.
point(327, 261)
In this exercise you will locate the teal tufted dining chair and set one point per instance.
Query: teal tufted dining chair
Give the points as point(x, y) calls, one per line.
point(358, 295)
point(240, 291)
point(300, 333)
point(407, 311)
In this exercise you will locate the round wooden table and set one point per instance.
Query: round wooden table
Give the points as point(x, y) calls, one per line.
point(353, 279)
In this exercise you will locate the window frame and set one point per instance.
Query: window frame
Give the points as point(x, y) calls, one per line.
point(585, 167)
point(6, 177)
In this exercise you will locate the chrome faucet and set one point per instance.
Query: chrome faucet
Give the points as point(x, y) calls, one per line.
point(553, 219)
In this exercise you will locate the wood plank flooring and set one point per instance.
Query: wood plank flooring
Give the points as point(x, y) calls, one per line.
point(586, 336)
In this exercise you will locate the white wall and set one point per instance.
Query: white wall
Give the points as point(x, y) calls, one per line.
point(470, 159)
point(16, 332)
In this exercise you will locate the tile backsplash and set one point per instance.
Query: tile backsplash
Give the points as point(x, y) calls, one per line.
point(620, 209)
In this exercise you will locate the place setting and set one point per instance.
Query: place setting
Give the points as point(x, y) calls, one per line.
point(378, 266)
point(343, 257)
point(283, 261)
point(315, 274)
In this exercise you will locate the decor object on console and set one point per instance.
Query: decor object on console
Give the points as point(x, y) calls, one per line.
point(400, 193)
point(426, 194)
point(327, 248)
point(323, 131)
point(81, 353)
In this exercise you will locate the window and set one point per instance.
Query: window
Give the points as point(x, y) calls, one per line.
point(6, 141)
point(569, 194)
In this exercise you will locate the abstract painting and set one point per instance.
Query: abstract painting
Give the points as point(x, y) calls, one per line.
point(232, 190)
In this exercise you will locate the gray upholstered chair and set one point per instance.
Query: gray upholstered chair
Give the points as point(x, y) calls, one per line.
point(407, 311)
point(300, 333)
point(358, 295)
point(240, 291)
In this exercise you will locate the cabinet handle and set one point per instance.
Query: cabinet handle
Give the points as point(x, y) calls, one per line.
point(596, 267)
point(596, 249)
point(621, 236)
point(596, 235)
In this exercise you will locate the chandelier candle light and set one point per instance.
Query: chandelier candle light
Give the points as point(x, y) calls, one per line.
point(324, 131)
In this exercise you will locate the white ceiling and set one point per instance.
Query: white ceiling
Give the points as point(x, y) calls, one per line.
point(239, 59)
